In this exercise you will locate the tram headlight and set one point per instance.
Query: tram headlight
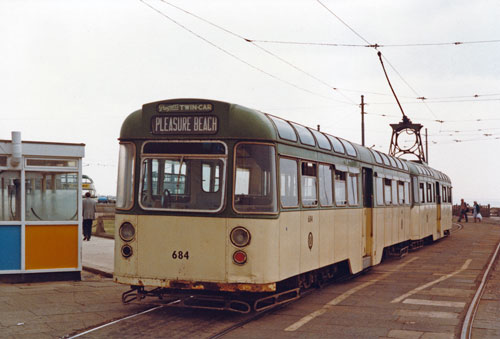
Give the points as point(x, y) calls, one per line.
point(240, 236)
point(127, 231)
point(239, 257)
point(127, 251)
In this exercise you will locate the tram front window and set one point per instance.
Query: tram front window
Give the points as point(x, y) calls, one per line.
point(183, 183)
point(255, 179)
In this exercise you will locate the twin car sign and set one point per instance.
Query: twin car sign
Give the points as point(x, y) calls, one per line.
point(184, 124)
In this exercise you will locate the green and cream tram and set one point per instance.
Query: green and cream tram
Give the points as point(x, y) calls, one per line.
point(216, 199)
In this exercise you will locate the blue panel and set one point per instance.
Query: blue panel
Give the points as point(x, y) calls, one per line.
point(10, 247)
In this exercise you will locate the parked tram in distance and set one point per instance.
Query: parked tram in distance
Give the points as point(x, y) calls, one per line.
point(226, 207)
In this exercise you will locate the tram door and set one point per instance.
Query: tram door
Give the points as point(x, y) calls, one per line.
point(438, 207)
point(367, 212)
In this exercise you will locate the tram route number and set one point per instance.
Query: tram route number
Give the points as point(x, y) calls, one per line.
point(180, 255)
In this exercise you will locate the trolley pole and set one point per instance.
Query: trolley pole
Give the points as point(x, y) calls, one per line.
point(362, 120)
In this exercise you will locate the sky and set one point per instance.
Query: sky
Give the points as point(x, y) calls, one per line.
point(71, 71)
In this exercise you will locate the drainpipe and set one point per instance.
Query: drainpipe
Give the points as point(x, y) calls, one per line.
point(16, 149)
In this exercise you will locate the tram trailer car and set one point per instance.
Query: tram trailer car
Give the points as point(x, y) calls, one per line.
point(217, 200)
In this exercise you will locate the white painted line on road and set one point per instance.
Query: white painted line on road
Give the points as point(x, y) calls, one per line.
point(116, 321)
point(341, 298)
point(426, 314)
point(423, 287)
point(435, 303)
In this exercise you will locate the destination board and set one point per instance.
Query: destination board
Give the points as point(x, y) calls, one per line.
point(184, 124)
point(188, 108)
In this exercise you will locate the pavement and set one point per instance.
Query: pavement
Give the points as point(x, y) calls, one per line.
point(98, 256)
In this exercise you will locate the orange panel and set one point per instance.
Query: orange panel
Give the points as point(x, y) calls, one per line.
point(51, 246)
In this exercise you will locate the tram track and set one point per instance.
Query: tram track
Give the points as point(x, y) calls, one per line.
point(474, 305)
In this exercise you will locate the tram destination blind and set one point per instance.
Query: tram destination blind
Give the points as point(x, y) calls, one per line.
point(184, 124)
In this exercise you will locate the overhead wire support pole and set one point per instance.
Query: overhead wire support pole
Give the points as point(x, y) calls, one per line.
point(363, 120)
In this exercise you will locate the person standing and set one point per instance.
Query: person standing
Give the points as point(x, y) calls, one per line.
point(463, 211)
point(476, 211)
point(89, 209)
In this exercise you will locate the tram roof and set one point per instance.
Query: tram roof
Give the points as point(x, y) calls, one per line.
point(200, 118)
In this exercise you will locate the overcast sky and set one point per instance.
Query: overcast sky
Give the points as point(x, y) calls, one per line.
point(71, 71)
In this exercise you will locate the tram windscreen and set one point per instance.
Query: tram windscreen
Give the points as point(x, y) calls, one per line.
point(182, 183)
point(255, 179)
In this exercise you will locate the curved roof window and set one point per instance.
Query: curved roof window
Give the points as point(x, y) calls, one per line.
point(337, 145)
point(305, 136)
point(377, 156)
point(386, 159)
point(400, 164)
point(321, 139)
point(285, 131)
point(393, 162)
point(349, 148)
point(405, 166)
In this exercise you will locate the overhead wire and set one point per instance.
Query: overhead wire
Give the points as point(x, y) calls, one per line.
point(233, 55)
point(375, 46)
point(338, 90)
point(369, 45)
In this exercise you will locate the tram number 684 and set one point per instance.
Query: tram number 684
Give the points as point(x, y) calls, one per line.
point(180, 255)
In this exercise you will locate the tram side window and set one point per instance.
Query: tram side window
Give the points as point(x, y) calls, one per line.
point(394, 185)
point(407, 192)
point(422, 192)
point(380, 191)
point(288, 183)
point(255, 178)
point(340, 188)
point(352, 189)
point(449, 194)
point(387, 191)
point(325, 185)
point(444, 198)
point(429, 192)
point(308, 184)
point(401, 193)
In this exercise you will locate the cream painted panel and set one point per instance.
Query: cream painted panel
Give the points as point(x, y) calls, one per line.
point(406, 222)
point(378, 234)
point(289, 241)
point(263, 252)
point(415, 223)
point(125, 267)
point(204, 239)
point(388, 228)
point(355, 217)
point(341, 234)
point(309, 225)
point(326, 237)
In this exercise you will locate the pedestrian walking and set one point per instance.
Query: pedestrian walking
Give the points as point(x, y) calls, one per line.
point(476, 210)
point(89, 209)
point(463, 211)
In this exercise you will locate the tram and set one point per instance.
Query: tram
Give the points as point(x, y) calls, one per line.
point(241, 210)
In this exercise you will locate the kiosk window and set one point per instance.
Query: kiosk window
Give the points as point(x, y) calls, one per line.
point(51, 196)
point(10, 196)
